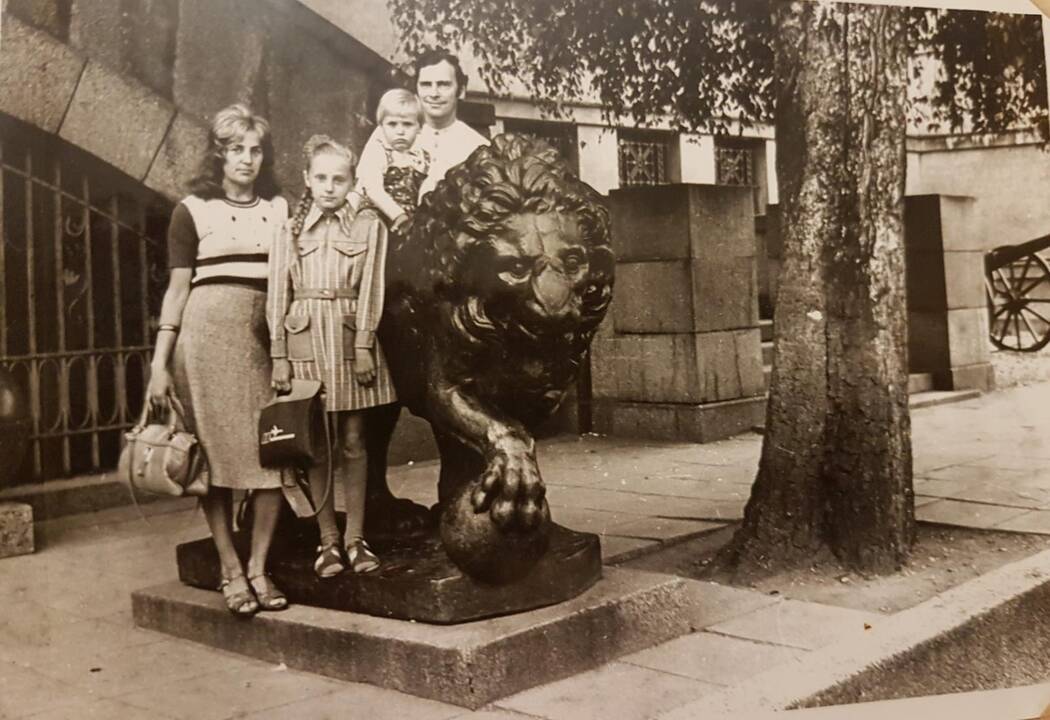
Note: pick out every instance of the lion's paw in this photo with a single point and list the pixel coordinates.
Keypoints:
(511, 487)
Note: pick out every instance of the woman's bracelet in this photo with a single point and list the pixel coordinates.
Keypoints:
(172, 328)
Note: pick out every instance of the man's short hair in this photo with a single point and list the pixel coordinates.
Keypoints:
(436, 56)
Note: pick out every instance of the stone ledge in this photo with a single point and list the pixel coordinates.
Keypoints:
(468, 665)
(116, 119)
(38, 75)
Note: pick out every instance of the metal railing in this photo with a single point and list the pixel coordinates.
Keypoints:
(80, 272)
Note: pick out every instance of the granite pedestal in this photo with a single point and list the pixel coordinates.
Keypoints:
(469, 664)
(417, 581)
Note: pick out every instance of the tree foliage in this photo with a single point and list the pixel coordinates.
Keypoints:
(701, 62)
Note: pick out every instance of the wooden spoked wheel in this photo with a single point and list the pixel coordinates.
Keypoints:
(1019, 304)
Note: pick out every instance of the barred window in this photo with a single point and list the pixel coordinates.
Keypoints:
(643, 158)
(734, 166)
(560, 136)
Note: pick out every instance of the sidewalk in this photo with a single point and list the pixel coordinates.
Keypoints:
(68, 647)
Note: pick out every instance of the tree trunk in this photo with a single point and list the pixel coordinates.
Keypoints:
(835, 469)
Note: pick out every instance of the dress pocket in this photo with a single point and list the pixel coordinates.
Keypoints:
(306, 245)
(350, 247)
(300, 346)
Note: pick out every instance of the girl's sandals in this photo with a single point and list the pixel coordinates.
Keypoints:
(240, 600)
(329, 562)
(361, 557)
(269, 596)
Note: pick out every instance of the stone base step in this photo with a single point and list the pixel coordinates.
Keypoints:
(766, 329)
(920, 382)
(468, 665)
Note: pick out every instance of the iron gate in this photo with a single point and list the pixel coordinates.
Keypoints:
(83, 266)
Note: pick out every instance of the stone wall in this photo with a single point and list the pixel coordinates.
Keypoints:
(679, 358)
(135, 81)
(1008, 175)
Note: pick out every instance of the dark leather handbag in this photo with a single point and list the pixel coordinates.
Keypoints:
(162, 458)
(292, 428)
(294, 436)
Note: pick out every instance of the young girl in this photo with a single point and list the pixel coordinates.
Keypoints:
(325, 301)
(390, 180)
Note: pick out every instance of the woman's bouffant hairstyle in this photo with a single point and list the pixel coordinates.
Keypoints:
(229, 125)
(399, 102)
(316, 145)
(438, 55)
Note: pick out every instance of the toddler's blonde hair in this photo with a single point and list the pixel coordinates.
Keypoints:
(399, 102)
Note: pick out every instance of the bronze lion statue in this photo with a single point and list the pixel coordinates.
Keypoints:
(493, 296)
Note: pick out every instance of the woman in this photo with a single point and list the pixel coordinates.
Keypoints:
(213, 318)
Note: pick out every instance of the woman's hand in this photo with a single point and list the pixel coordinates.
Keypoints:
(364, 366)
(158, 392)
(281, 376)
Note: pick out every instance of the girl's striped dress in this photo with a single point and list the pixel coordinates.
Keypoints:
(325, 298)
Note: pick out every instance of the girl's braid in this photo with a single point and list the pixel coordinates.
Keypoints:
(301, 209)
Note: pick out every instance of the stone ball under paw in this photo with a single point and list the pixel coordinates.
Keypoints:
(480, 549)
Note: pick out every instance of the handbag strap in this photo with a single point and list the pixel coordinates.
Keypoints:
(329, 480)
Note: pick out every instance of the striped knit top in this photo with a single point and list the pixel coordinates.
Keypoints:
(223, 240)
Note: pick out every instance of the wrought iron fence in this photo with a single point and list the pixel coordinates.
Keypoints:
(83, 270)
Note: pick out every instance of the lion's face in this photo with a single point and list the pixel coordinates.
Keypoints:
(534, 271)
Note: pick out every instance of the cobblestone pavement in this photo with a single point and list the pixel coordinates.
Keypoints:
(68, 648)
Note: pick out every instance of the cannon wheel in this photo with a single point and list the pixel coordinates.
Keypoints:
(1019, 304)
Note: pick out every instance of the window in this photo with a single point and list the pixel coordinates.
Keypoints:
(644, 158)
(734, 166)
(742, 161)
(560, 136)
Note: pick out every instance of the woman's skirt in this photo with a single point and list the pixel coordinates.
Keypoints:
(222, 377)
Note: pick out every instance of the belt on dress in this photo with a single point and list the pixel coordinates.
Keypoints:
(324, 293)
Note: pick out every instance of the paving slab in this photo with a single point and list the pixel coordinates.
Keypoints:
(626, 611)
(101, 710)
(976, 473)
(233, 693)
(711, 603)
(891, 644)
(966, 514)
(617, 691)
(714, 658)
(661, 528)
(618, 549)
(357, 700)
(1006, 492)
(1034, 521)
(24, 692)
(799, 624)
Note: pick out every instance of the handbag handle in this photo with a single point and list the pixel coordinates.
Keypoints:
(175, 412)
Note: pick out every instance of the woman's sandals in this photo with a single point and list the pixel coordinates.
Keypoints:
(268, 595)
(240, 600)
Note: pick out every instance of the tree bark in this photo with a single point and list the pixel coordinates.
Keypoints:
(835, 469)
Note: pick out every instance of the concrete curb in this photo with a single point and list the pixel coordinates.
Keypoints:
(886, 641)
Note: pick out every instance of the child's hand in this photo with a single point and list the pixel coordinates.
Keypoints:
(399, 223)
(281, 377)
(364, 366)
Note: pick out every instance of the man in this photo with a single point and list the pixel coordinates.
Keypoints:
(440, 84)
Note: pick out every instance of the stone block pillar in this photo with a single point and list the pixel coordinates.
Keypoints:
(947, 308)
(680, 356)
